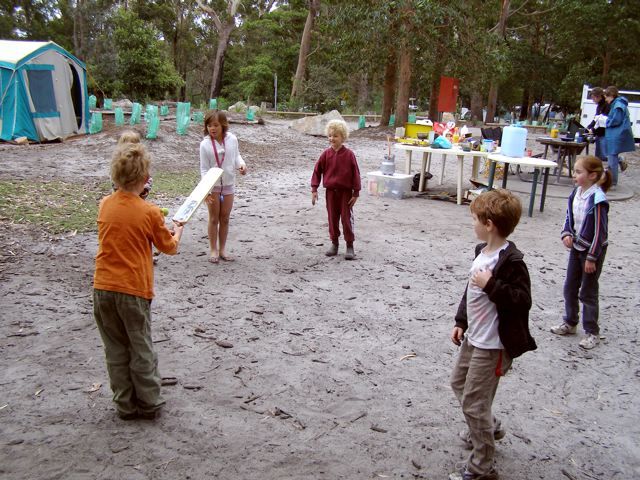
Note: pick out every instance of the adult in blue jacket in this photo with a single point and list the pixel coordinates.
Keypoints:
(618, 134)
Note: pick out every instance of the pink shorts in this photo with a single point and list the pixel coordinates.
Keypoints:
(225, 189)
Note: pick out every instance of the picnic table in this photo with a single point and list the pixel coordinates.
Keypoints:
(427, 153)
(537, 163)
(567, 152)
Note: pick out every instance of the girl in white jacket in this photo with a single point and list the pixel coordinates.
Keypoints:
(219, 148)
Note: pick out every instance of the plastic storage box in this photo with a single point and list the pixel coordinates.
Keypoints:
(389, 186)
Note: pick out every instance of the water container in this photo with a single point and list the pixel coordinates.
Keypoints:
(514, 141)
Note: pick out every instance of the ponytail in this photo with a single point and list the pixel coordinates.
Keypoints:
(605, 180)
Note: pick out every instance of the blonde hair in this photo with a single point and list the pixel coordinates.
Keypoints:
(337, 126)
(594, 165)
(129, 136)
(130, 165)
(500, 206)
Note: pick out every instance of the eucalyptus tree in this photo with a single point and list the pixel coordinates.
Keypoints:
(264, 48)
(305, 47)
(223, 15)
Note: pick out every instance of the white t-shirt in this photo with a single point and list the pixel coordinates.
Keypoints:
(482, 315)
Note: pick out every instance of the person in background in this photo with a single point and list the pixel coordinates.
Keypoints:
(596, 127)
(338, 169)
(618, 133)
(131, 136)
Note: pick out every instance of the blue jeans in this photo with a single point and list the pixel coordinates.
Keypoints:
(601, 148)
(584, 287)
(613, 161)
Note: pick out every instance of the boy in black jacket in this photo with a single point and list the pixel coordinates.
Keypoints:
(492, 325)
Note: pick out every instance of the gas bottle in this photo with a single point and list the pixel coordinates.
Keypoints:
(514, 141)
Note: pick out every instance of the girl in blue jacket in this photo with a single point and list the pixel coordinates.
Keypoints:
(585, 235)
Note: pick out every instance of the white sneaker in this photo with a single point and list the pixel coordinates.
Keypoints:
(589, 342)
(564, 329)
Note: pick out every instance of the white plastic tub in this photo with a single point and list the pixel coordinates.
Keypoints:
(389, 186)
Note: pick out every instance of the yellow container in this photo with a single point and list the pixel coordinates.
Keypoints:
(554, 133)
(412, 129)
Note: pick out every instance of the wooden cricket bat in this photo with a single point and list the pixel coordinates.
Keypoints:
(196, 197)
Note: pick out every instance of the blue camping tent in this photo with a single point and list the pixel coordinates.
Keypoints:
(43, 91)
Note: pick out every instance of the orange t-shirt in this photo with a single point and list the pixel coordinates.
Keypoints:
(128, 226)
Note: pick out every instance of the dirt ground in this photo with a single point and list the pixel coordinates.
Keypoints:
(338, 369)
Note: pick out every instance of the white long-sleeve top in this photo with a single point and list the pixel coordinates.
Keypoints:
(228, 153)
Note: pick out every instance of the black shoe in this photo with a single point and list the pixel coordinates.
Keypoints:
(149, 415)
(128, 416)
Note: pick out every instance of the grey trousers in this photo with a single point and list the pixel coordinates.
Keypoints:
(124, 322)
(474, 381)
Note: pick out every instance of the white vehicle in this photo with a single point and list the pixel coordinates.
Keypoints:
(588, 109)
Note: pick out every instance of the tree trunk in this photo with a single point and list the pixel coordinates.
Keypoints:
(389, 86)
(305, 47)
(491, 102)
(476, 106)
(363, 92)
(218, 66)
(493, 89)
(404, 86)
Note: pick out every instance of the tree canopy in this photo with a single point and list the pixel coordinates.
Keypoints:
(356, 56)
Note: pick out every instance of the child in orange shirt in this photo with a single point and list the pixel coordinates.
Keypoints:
(123, 283)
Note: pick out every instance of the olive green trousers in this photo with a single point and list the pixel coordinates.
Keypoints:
(124, 322)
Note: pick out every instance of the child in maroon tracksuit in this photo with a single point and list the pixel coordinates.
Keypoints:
(338, 168)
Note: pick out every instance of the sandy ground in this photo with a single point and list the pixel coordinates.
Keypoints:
(338, 369)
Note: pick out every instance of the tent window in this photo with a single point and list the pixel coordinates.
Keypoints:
(41, 90)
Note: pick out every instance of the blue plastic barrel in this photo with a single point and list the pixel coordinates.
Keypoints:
(514, 141)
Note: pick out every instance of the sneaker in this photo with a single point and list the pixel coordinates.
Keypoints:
(590, 341)
(498, 434)
(350, 255)
(564, 329)
(333, 250)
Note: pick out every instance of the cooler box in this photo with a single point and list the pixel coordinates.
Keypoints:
(411, 130)
(389, 186)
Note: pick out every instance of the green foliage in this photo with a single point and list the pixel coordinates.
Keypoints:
(143, 70)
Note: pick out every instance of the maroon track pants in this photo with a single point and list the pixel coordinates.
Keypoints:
(338, 209)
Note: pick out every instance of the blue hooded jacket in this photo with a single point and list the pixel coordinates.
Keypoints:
(593, 236)
(618, 133)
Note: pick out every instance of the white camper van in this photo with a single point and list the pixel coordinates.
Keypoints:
(588, 109)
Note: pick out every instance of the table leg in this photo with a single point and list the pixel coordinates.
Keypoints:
(559, 162)
(444, 160)
(492, 174)
(536, 172)
(543, 195)
(546, 149)
(475, 166)
(460, 168)
(423, 176)
(505, 174)
(407, 163)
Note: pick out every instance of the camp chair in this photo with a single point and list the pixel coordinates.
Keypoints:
(492, 133)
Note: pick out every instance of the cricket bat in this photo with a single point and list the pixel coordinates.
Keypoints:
(198, 194)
